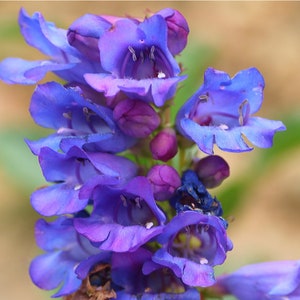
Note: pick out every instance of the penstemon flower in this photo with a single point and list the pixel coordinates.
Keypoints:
(132, 217)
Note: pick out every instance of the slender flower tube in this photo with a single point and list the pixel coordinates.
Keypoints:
(220, 113)
(269, 280)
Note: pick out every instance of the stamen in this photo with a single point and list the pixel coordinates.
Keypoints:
(132, 51)
(149, 225)
(203, 261)
(142, 56)
(161, 75)
(67, 115)
(203, 98)
(241, 117)
(138, 202)
(77, 187)
(124, 200)
(151, 54)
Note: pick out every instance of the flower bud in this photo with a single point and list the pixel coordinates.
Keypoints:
(164, 180)
(136, 118)
(212, 170)
(164, 145)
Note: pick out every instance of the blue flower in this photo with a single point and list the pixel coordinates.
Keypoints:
(77, 118)
(220, 113)
(64, 250)
(269, 280)
(192, 244)
(139, 64)
(64, 60)
(124, 218)
(75, 174)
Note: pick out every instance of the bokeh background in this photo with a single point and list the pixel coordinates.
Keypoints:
(262, 196)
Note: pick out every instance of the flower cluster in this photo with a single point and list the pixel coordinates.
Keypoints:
(130, 219)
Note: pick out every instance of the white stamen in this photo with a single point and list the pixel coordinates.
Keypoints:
(223, 126)
(132, 51)
(161, 75)
(241, 118)
(203, 261)
(67, 115)
(77, 187)
(124, 200)
(151, 55)
(149, 225)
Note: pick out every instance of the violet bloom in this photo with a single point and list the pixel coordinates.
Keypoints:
(140, 63)
(75, 174)
(220, 113)
(269, 280)
(193, 243)
(64, 250)
(78, 121)
(124, 218)
(164, 180)
(64, 60)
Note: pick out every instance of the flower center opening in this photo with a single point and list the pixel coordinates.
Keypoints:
(189, 243)
(145, 63)
(206, 113)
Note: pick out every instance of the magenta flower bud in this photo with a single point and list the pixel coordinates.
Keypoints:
(164, 145)
(212, 170)
(164, 180)
(136, 118)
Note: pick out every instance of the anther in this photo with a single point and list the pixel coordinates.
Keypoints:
(67, 115)
(124, 200)
(241, 118)
(138, 202)
(203, 98)
(132, 51)
(149, 225)
(151, 54)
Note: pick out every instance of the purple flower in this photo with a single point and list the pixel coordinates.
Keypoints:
(65, 60)
(78, 121)
(164, 145)
(164, 180)
(193, 243)
(75, 174)
(269, 280)
(212, 170)
(220, 113)
(124, 218)
(139, 64)
(64, 250)
(136, 118)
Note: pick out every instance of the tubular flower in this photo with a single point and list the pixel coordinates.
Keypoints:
(220, 113)
(78, 121)
(65, 60)
(193, 243)
(64, 248)
(139, 64)
(74, 175)
(269, 280)
(123, 218)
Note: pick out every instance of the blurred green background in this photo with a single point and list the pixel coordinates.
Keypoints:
(262, 196)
